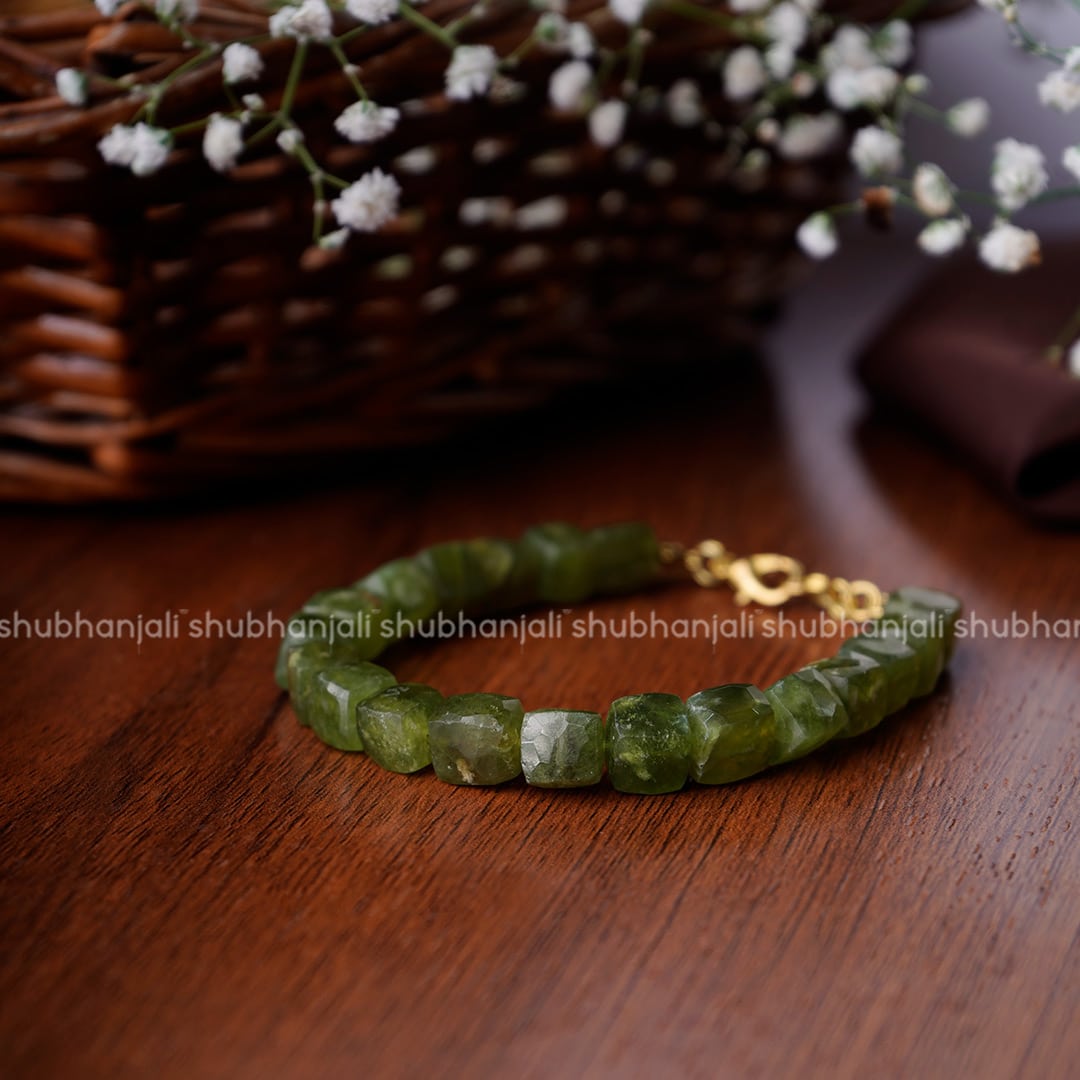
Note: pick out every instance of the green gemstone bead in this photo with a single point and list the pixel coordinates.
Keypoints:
(733, 733)
(329, 708)
(356, 617)
(468, 573)
(808, 713)
(405, 587)
(562, 748)
(305, 664)
(475, 739)
(917, 630)
(899, 661)
(393, 726)
(299, 630)
(945, 608)
(624, 557)
(562, 554)
(648, 744)
(862, 686)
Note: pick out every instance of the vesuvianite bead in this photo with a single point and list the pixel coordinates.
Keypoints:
(808, 713)
(330, 705)
(563, 561)
(862, 686)
(917, 630)
(468, 573)
(898, 660)
(624, 557)
(475, 739)
(300, 629)
(305, 663)
(356, 622)
(648, 744)
(405, 588)
(393, 726)
(733, 733)
(562, 748)
(945, 608)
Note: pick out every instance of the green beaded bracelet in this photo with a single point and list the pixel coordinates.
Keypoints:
(649, 743)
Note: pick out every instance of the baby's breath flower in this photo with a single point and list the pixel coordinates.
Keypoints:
(768, 131)
(108, 8)
(569, 85)
(780, 61)
(240, 63)
(628, 11)
(850, 47)
(364, 121)
(140, 147)
(875, 151)
(806, 135)
(223, 142)
(684, 103)
(310, 20)
(579, 41)
(969, 117)
(1071, 160)
(71, 85)
(893, 42)
(334, 241)
(817, 236)
(372, 12)
(552, 28)
(873, 87)
(1009, 249)
(607, 122)
(747, 7)
(254, 102)
(1074, 360)
(932, 191)
(803, 84)
(744, 73)
(472, 67)
(942, 237)
(917, 84)
(1018, 173)
(289, 139)
(786, 24)
(1061, 90)
(368, 204)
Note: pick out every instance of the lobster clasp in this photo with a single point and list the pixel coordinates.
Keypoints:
(767, 579)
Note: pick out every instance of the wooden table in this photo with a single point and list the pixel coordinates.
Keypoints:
(193, 885)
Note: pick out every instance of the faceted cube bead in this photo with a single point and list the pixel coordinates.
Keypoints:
(356, 621)
(562, 748)
(475, 739)
(861, 685)
(648, 744)
(405, 588)
(916, 629)
(945, 608)
(305, 664)
(624, 557)
(467, 573)
(329, 709)
(393, 726)
(563, 560)
(299, 630)
(808, 713)
(733, 733)
(899, 661)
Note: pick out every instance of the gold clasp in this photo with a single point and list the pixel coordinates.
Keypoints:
(771, 580)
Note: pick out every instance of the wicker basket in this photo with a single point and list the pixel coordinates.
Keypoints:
(163, 333)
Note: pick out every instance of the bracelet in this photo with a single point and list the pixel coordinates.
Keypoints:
(651, 743)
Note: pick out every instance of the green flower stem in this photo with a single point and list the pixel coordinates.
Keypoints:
(347, 69)
(432, 29)
(150, 106)
(292, 83)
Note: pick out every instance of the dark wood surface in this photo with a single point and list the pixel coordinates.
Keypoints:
(193, 885)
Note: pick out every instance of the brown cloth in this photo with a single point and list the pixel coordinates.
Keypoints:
(967, 355)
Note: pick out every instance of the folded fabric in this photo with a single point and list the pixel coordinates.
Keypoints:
(967, 356)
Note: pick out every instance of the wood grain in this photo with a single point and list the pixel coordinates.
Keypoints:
(194, 886)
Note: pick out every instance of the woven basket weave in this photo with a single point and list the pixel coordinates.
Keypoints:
(160, 334)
